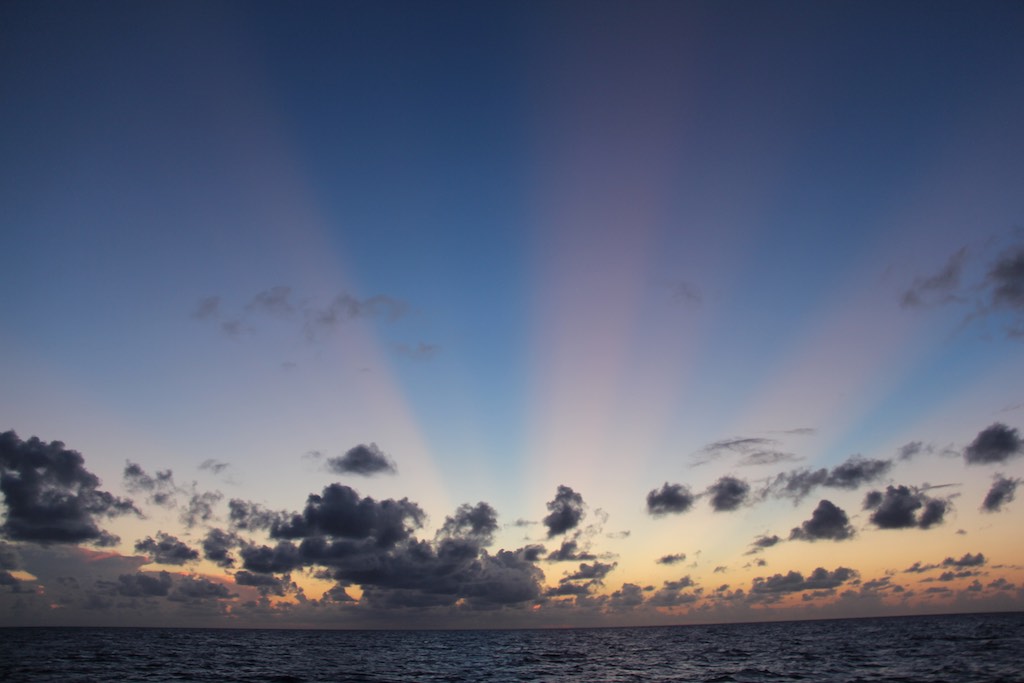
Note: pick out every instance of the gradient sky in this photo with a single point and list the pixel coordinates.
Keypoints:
(372, 314)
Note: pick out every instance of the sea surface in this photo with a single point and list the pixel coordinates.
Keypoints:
(961, 648)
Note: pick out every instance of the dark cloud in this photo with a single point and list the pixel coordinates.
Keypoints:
(569, 551)
(728, 493)
(281, 559)
(160, 489)
(995, 443)
(854, 472)
(909, 450)
(8, 560)
(671, 593)
(670, 499)
(200, 507)
(672, 559)
(939, 288)
(214, 466)
(340, 512)
(968, 560)
(761, 542)
(247, 516)
(1002, 492)
(50, 496)
(166, 549)
(566, 511)
(901, 507)
(143, 585)
(628, 597)
(419, 574)
(478, 522)
(1006, 277)
(827, 522)
(362, 459)
(588, 572)
(738, 445)
(265, 583)
(794, 582)
(217, 547)
(1001, 289)
(198, 589)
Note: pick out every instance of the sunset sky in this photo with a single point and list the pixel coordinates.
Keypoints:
(445, 314)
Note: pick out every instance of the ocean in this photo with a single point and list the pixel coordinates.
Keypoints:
(960, 649)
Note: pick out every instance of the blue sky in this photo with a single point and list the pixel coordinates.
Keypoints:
(515, 246)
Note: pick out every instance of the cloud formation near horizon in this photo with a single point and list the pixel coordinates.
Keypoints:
(51, 497)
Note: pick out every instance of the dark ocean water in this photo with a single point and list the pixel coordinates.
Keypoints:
(948, 648)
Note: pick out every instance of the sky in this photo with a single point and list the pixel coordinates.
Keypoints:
(509, 314)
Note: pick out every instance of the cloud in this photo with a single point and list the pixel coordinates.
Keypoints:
(968, 560)
(346, 307)
(909, 450)
(851, 474)
(50, 496)
(246, 516)
(569, 551)
(566, 511)
(995, 443)
(767, 458)
(8, 560)
(1002, 492)
(898, 508)
(628, 597)
(827, 522)
(265, 583)
(478, 523)
(217, 546)
(166, 549)
(278, 302)
(728, 493)
(196, 589)
(1000, 290)
(588, 572)
(939, 288)
(672, 559)
(214, 466)
(670, 499)
(794, 582)
(274, 301)
(160, 489)
(282, 558)
(363, 460)
(200, 507)
(340, 512)
(144, 585)
(1006, 278)
(738, 445)
(755, 451)
(761, 542)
